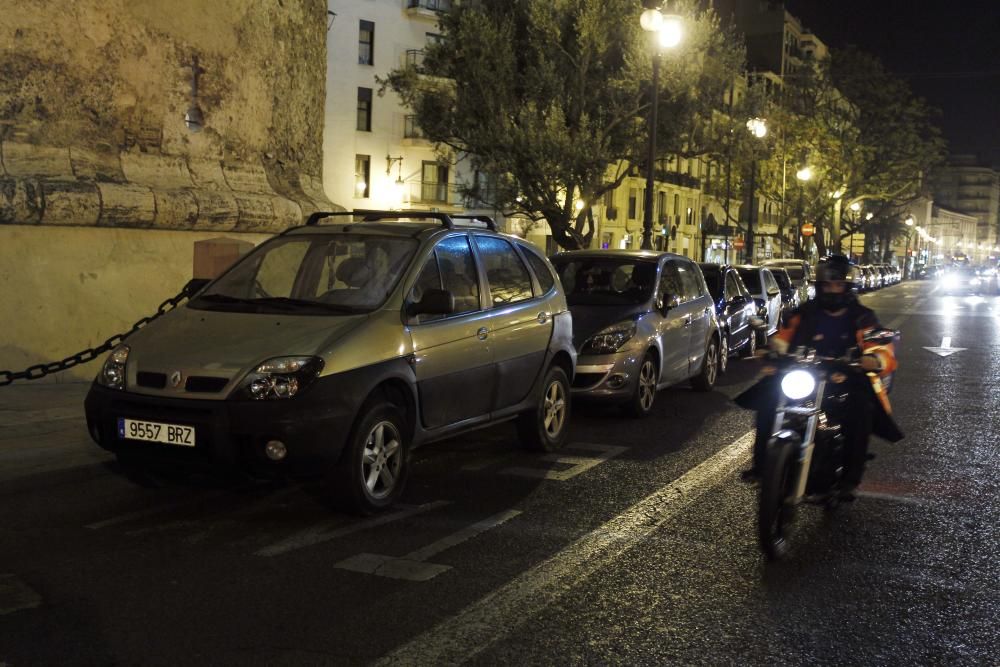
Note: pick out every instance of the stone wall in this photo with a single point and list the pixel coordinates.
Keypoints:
(104, 188)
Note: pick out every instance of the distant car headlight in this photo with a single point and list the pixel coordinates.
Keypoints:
(949, 280)
(798, 384)
(975, 282)
(112, 374)
(610, 339)
(280, 378)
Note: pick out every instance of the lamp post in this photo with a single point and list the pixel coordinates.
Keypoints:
(758, 128)
(668, 31)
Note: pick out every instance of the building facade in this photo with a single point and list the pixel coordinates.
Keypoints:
(966, 185)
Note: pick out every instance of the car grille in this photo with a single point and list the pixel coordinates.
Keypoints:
(205, 384)
(151, 380)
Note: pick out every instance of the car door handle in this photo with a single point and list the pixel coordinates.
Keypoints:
(483, 333)
(543, 318)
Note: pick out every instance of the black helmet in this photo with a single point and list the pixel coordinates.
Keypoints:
(834, 267)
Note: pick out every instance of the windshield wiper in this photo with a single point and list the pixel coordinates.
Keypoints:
(221, 298)
(304, 303)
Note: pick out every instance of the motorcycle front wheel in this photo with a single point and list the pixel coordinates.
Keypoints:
(777, 490)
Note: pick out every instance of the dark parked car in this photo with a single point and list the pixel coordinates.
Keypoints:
(735, 307)
(764, 289)
(789, 295)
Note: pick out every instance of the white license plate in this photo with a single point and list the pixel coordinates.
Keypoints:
(170, 434)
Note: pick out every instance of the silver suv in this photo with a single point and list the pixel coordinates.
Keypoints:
(341, 347)
(642, 321)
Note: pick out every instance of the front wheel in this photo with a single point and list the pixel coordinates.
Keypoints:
(546, 426)
(724, 353)
(640, 404)
(776, 494)
(373, 468)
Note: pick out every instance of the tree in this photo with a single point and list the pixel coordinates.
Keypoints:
(549, 97)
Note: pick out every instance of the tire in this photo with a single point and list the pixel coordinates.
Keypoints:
(705, 379)
(641, 402)
(750, 347)
(373, 468)
(776, 485)
(546, 426)
(723, 352)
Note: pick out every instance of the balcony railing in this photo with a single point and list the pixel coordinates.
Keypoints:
(434, 194)
(432, 5)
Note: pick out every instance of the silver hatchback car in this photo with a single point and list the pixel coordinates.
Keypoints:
(340, 347)
(642, 321)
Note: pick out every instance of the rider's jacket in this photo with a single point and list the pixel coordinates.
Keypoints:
(802, 328)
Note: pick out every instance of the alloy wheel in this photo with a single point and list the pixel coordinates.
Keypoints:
(382, 459)
(554, 408)
(711, 363)
(724, 353)
(647, 385)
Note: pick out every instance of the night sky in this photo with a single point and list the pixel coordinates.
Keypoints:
(948, 51)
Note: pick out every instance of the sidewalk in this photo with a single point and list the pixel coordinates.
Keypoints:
(43, 429)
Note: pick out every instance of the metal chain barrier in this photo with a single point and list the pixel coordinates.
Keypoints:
(41, 370)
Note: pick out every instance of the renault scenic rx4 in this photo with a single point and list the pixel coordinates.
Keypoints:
(340, 347)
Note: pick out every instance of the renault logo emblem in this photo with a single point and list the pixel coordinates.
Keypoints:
(175, 379)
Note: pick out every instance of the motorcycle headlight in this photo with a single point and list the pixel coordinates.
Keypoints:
(610, 339)
(798, 384)
(280, 378)
(112, 374)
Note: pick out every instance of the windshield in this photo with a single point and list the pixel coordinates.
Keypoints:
(752, 280)
(314, 274)
(606, 281)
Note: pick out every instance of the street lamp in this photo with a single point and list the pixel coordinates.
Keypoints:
(804, 175)
(669, 31)
(758, 128)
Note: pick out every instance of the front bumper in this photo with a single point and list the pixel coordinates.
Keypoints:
(606, 376)
(231, 434)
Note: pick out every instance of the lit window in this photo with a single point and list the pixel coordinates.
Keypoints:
(362, 176)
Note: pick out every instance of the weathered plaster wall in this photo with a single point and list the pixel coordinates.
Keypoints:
(104, 190)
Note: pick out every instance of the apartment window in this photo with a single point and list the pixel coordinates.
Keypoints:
(362, 176)
(366, 43)
(633, 198)
(661, 204)
(434, 182)
(677, 204)
(365, 109)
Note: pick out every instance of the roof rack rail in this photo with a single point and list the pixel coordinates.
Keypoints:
(375, 216)
(487, 220)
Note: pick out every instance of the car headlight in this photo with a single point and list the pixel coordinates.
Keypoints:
(610, 339)
(279, 378)
(974, 282)
(112, 374)
(798, 384)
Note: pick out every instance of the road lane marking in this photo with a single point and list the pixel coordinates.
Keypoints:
(413, 566)
(580, 464)
(946, 350)
(16, 595)
(149, 511)
(326, 531)
(482, 623)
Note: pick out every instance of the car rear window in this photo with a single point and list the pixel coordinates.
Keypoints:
(752, 280)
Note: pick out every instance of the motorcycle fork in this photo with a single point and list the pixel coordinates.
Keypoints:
(808, 442)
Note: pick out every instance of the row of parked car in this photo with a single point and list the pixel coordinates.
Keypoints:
(341, 347)
(876, 276)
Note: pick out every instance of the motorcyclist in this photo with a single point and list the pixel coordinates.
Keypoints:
(831, 324)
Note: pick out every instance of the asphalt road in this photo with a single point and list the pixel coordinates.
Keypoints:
(636, 545)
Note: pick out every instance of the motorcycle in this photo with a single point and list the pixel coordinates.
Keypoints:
(807, 453)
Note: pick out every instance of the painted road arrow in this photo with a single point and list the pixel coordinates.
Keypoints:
(946, 350)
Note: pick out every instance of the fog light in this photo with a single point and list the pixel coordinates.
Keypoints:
(275, 450)
(617, 380)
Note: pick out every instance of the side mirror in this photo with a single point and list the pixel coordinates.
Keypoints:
(757, 323)
(666, 302)
(434, 302)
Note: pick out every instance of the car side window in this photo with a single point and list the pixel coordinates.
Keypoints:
(509, 279)
(732, 287)
(690, 284)
(429, 278)
(670, 282)
(541, 268)
(458, 272)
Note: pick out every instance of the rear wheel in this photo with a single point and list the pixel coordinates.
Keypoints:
(723, 352)
(373, 468)
(776, 492)
(750, 347)
(705, 379)
(641, 402)
(546, 426)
